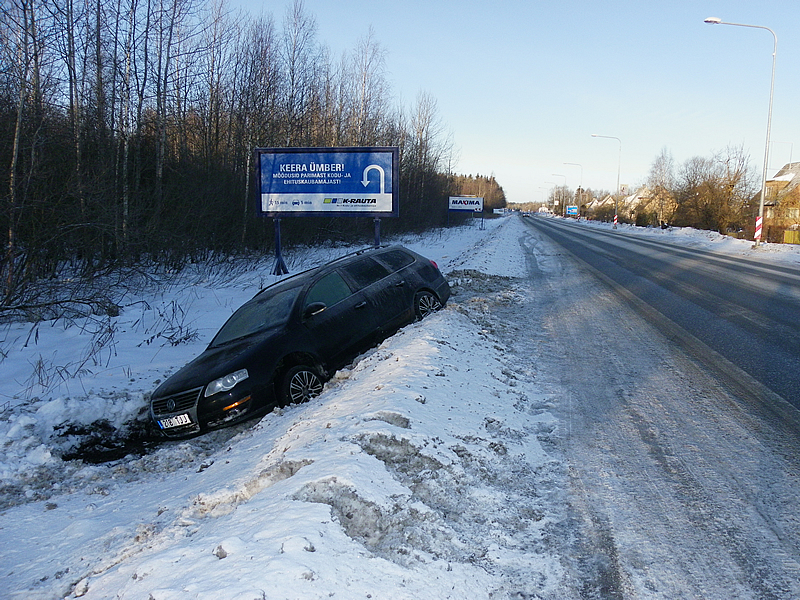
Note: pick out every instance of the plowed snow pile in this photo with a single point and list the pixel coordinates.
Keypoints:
(420, 472)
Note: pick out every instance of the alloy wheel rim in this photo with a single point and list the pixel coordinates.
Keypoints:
(428, 304)
(304, 386)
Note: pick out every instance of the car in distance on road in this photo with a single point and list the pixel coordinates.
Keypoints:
(279, 347)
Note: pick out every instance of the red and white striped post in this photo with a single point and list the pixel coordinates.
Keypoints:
(759, 223)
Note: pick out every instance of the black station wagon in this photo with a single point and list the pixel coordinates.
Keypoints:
(280, 346)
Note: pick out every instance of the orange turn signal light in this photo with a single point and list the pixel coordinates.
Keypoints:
(239, 403)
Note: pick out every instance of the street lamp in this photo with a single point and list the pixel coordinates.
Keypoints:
(760, 221)
(564, 207)
(580, 187)
(555, 185)
(619, 165)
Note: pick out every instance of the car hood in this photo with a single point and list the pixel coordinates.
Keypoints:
(213, 363)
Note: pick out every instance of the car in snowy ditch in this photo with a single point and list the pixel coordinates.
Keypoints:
(279, 347)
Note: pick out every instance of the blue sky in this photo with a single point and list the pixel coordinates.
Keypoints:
(522, 85)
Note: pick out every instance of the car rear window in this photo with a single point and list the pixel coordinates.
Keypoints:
(262, 312)
(365, 272)
(396, 259)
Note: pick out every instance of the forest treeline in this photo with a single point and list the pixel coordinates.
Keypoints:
(127, 130)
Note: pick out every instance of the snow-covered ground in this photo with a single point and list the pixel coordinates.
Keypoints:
(424, 470)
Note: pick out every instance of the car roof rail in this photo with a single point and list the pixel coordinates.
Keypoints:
(359, 252)
(332, 262)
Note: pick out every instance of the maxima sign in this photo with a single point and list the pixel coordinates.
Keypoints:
(351, 182)
(470, 203)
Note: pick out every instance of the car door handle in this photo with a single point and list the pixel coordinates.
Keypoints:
(400, 283)
(361, 304)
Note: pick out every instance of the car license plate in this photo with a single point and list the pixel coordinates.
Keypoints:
(174, 421)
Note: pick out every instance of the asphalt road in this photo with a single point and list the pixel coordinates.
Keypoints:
(681, 470)
(742, 316)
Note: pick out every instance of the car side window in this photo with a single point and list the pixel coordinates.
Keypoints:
(365, 272)
(329, 290)
(396, 259)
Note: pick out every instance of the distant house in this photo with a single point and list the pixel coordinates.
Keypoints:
(782, 204)
(598, 203)
(639, 207)
(600, 208)
(626, 206)
(642, 207)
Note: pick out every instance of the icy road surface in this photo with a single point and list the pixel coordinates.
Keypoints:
(535, 439)
(675, 491)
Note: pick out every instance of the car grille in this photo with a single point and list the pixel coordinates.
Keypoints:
(179, 402)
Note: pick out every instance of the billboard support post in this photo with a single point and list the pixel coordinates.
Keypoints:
(280, 266)
(377, 232)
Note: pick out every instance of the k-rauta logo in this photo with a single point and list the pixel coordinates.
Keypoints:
(359, 201)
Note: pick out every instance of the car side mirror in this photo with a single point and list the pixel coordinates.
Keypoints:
(313, 309)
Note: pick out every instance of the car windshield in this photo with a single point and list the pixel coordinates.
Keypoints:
(262, 312)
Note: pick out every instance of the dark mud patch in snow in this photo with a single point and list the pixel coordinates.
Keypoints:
(101, 442)
(73, 456)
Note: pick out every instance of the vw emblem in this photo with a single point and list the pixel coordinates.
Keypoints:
(170, 405)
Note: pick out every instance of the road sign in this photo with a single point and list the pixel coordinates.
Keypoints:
(468, 203)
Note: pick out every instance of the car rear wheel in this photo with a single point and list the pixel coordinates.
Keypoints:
(426, 303)
(300, 384)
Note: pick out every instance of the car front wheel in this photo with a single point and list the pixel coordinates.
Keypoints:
(300, 384)
(426, 303)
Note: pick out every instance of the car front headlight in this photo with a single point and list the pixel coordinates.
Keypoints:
(223, 384)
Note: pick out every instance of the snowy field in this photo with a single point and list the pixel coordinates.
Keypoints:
(423, 470)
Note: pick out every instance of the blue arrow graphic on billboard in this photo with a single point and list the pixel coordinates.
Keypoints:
(365, 181)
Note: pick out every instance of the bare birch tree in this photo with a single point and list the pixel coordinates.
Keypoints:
(371, 90)
(298, 52)
(22, 49)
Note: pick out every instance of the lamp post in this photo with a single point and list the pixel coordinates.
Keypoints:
(619, 166)
(564, 202)
(760, 220)
(555, 185)
(580, 187)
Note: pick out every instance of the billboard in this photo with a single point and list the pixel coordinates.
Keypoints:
(348, 182)
(470, 203)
